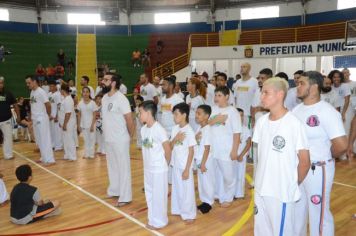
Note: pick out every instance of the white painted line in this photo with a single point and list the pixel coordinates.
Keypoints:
(90, 195)
(337, 183)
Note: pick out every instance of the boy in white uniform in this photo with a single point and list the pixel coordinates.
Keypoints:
(4, 196)
(156, 152)
(182, 144)
(40, 113)
(225, 125)
(138, 101)
(283, 162)
(67, 121)
(54, 98)
(118, 128)
(244, 149)
(203, 158)
(327, 140)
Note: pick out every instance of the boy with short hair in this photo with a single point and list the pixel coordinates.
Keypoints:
(244, 149)
(26, 204)
(156, 152)
(202, 155)
(225, 128)
(182, 144)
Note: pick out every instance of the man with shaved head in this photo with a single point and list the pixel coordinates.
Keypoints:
(244, 91)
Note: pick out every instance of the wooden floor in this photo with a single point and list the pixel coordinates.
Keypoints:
(83, 208)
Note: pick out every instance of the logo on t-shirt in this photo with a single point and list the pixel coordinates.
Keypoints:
(278, 143)
(146, 143)
(2, 99)
(51, 99)
(315, 199)
(110, 106)
(166, 107)
(313, 121)
(143, 92)
(33, 99)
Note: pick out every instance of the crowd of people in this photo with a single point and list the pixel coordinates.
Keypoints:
(292, 134)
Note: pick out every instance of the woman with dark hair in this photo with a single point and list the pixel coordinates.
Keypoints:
(342, 91)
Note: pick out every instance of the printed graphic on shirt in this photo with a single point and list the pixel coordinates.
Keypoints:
(51, 99)
(217, 123)
(2, 98)
(143, 92)
(313, 121)
(166, 107)
(278, 143)
(110, 105)
(315, 199)
(33, 99)
(255, 209)
(147, 143)
(243, 88)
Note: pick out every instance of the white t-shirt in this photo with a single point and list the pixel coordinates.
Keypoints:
(86, 112)
(181, 95)
(114, 124)
(210, 94)
(45, 88)
(92, 94)
(158, 92)
(330, 98)
(38, 98)
(66, 106)
(244, 136)
(194, 103)
(352, 86)
(222, 134)
(165, 109)
(123, 89)
(291, 100)
(154, 159)
(277, 167)
(322, 123)
(98, 90)
(244, 91)
(205, 140)
(257, 103)
(55, 100)
(148, 91)
(342, 91)
(180, 151)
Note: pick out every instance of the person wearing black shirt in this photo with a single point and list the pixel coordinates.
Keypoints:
(6, 101)
(26, 203)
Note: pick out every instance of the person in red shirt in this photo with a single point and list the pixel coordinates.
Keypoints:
(40, 72)
(50, 71)
(59, 71)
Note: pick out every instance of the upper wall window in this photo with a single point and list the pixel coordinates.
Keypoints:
(4, 14)
(259, 12)
(84, 19)
(172, 18)
(344, 4)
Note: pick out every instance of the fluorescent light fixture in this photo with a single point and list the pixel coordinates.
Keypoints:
(172, 18)
(84, 19)
(4, 14)
(259, 12)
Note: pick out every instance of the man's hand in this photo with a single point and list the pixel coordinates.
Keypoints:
(179, 137)
(233, 155)
(203, 168)
(185, 174)
(240, 158)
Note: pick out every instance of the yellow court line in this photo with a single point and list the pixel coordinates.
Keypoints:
(245, 217)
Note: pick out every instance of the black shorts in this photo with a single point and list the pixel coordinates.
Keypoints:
(42, 211)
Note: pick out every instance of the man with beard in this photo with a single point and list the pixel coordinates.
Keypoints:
(327, 140)
(327, 94)
(7, 100)
(292, 100)
(40, 114)
(118, 127)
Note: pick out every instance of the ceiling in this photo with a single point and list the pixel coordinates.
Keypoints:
(139, 5)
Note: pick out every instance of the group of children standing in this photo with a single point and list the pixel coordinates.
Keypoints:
(179, 136)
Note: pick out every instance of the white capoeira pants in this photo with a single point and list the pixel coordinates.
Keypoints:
(3, 192)
(43, 139)
(206, 182)
(70, 151)
(225, 180)
(156, 192)
(315, 202)
(240, 173)
(89, 142)
(183, 195)
(119, 170)
(56, 136)
(273, 217)
(138, 134)
(100, 142)
(6, 130)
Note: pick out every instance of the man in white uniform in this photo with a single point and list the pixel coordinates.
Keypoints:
(283, 162)
(147, 90)
(244, 91)
(54, 98)
(118, 127)
(156, 83)
(328, 94)
(327, 140)
(40, 114)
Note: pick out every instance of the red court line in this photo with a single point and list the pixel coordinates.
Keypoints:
(76, 228)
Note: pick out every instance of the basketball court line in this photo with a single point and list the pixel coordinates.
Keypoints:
(90, 195)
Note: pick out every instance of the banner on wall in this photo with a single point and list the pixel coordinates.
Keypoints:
(314, 48)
